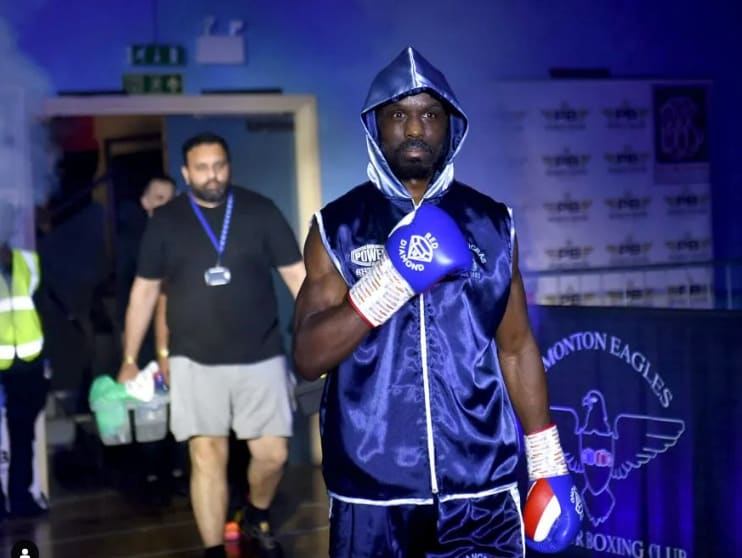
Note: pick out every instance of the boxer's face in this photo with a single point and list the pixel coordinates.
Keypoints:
(413, 132)
(207, 172)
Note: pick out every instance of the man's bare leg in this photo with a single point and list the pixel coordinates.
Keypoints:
(268, 456)
(209, 486)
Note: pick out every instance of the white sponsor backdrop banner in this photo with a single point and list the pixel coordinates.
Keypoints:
(607, 174)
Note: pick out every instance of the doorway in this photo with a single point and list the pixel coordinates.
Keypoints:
(151, 129)
(301, 109)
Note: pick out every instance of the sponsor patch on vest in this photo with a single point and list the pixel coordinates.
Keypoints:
(478, 252)
(365, 257)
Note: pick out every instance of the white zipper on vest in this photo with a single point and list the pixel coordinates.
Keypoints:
(426, 389)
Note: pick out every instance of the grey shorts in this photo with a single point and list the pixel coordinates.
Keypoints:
(254, 400)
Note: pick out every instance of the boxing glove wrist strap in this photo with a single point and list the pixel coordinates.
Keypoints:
(544, 454)
(379, 293)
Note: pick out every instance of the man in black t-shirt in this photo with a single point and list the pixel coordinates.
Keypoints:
(216, 249)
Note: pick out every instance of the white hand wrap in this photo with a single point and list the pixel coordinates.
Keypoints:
(380, 293)
(544, 454)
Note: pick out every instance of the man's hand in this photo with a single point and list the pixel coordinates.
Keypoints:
(163, 363)
(128, 371)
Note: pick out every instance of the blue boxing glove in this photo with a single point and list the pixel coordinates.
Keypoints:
(424, 247)
(553, 512)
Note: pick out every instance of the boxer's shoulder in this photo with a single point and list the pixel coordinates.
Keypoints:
(357, 198)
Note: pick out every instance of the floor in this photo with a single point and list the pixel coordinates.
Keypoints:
(104, 523)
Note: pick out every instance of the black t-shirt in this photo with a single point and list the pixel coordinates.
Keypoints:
(235, 323)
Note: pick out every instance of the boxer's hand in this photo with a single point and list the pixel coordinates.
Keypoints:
(425, 246)
(553, 511)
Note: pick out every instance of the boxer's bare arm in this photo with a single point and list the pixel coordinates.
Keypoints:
(326, 328)
(520, 358)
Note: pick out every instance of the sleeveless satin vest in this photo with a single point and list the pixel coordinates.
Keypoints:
(421, 408)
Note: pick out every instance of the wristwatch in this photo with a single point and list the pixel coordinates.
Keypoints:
(163, 353)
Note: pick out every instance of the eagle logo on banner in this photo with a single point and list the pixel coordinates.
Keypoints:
(602, 451)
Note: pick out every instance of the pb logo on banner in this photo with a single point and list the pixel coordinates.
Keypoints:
(625, 441)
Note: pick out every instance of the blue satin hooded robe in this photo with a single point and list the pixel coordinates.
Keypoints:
(420, 409)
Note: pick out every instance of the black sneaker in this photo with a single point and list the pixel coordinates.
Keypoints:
(261, 535)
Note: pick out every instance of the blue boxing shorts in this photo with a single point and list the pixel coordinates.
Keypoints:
(485, 527)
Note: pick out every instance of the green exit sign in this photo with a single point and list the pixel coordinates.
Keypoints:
(156, 55)
(153, 84)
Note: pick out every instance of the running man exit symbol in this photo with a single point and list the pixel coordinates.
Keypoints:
(153, 84)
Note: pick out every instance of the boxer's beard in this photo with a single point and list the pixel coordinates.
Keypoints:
(406, 167)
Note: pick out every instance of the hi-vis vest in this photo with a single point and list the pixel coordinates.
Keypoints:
(20, 325)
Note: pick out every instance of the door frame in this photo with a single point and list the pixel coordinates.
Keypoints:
(303, 108)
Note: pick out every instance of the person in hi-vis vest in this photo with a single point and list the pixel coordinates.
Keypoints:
(22, 375)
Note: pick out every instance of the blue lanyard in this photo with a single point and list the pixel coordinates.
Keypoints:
(225, 225)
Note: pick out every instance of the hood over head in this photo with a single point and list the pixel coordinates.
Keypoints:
(410, 74)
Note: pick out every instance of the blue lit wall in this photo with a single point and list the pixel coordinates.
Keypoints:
(332, 48)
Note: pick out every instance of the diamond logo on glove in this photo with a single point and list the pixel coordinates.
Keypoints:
(418, 249)
(421, 248)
